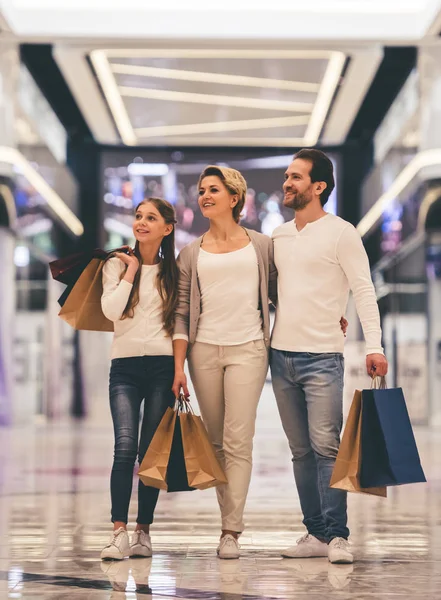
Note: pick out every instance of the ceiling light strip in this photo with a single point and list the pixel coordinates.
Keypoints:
(278, 142)
(429, 199)
(10, 205)
(220, 126)
(217, 78)
(194, 98)
(113, 97)
(324, 98)
(15, 158)
(426, 158)
(207, 53)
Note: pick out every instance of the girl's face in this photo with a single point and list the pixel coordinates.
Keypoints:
(215, 200)
(149, 225)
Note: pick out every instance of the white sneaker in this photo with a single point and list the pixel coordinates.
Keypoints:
(228, 547)
(140, 545)
(307, 546)
(118, 547)
(140, 568)
(338, 552)
(308, 569)
(339, 575)
(117, 572)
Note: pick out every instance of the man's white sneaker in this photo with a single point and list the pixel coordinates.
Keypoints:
(118, 547)
(140, 545)
(228, 547)
(307, 546)
(338, 552)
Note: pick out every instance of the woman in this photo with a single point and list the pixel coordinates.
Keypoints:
(139, 296)
(226, 278)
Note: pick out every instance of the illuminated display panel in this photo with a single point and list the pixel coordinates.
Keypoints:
(127, 178)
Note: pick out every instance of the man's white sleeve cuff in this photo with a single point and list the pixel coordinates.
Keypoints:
(374, 351)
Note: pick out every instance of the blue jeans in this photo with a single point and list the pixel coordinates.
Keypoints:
(133, 380)
(309, 393)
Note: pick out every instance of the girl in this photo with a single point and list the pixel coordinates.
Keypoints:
(226, 277)
(139, 296)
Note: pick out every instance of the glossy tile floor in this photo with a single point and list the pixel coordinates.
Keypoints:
(54, 520)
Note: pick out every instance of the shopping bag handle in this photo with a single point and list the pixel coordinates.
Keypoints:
(378, 383)
(182, 405)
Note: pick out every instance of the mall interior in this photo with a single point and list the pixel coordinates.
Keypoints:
(108, 101)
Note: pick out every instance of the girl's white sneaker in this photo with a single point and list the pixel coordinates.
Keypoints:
(118, 547)
(140, 545)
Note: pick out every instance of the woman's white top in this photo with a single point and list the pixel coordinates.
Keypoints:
(144, 334)
(229, 285)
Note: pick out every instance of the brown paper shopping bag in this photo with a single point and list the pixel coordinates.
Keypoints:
(177, 480)
(203, 468)
(346, 474)
(82, 308)
(153, 468)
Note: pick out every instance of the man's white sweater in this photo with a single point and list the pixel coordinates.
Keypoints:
(317, 267)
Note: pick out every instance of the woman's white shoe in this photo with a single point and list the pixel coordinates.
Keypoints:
(228, 547)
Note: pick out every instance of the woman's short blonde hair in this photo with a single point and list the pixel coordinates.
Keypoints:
(233, 180)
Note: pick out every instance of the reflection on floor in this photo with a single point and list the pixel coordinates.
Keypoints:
(54, 520)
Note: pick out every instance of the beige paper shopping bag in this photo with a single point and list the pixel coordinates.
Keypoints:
(346, 474)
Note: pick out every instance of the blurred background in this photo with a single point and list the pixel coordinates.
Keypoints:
(104, 102)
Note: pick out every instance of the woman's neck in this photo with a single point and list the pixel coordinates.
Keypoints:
(149, 254)
(223, 230)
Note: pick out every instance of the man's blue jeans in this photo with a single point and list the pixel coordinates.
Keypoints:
(133, 380)
(309, 393)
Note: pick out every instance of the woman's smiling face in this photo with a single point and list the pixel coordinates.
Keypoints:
(215, 200)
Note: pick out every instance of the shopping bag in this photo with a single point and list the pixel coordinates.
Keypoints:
(62, 299)
(153, 468)
(68, 269)
(389, 452)
(203, 468)
(346, 473)
(177, 480)
(163, 465)
(82, 307)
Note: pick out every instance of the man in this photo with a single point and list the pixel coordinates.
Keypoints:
(319, 258)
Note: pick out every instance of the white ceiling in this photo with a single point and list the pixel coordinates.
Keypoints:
(231, 19)
(236, 73)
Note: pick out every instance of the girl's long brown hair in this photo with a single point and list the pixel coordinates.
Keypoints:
(168, 275)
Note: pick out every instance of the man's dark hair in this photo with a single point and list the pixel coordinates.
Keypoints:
(321, 170)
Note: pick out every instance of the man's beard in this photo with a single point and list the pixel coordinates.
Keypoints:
(299, 201)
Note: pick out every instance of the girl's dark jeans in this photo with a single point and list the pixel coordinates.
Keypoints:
(133, 380)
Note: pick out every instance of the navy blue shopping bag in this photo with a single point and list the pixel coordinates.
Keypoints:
(389, 455)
